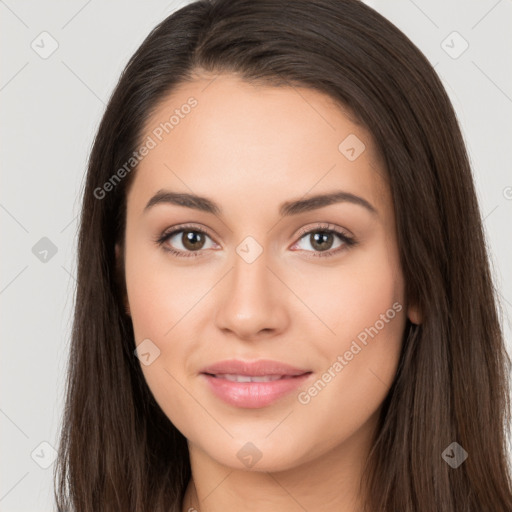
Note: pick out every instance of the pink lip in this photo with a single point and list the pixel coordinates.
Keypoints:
(254, 368)
(253, 395)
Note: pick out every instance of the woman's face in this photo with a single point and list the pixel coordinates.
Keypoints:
(267, 280)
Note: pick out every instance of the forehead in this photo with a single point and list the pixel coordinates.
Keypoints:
(221, 133)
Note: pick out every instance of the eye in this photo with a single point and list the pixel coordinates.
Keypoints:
(191, 239)
(322, 238)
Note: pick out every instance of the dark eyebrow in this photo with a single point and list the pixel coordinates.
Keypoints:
(182, 199)
(321, 200)
(286, 209)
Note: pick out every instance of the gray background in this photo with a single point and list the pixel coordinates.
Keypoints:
(50, 110)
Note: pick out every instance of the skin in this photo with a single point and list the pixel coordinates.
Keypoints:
(250, 149)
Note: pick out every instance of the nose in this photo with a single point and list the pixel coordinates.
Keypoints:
(253, 300)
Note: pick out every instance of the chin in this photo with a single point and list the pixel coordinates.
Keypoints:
(258, 456)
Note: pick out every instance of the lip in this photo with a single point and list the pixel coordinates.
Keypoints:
(254, 368)
(253, 395)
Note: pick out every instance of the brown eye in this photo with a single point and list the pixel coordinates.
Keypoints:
(184, 241)
(321, 240)
(192, 240)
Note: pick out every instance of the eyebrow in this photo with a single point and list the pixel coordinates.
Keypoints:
(286, 209)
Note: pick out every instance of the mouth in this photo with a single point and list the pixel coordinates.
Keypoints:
(253, 385)
(253, 378)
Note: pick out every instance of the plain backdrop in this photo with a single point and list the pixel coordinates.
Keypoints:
(59, 64)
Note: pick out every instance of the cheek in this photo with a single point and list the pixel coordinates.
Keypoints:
(364, 308)
(163, 301)
(360, 371)
(353, 296)
(160, 295)
(362, 303)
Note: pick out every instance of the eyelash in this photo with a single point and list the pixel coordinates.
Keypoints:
(348, 241)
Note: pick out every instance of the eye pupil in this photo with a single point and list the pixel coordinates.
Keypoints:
(190, 239)
(319, 239)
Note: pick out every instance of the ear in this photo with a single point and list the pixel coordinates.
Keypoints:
(121, 277)
(414, 315)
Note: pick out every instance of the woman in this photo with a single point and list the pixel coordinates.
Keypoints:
(284, 300)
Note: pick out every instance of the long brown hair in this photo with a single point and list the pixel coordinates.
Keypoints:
(118, 450)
